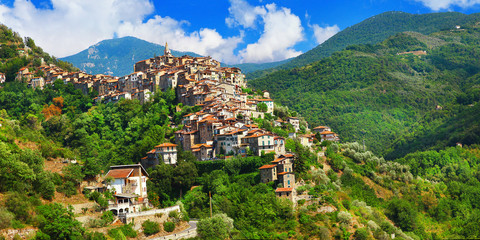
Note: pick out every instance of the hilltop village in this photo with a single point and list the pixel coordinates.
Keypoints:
(225, 125)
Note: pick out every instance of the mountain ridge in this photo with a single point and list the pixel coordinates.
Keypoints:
(371, 92)
(373, 30)
(104, 57)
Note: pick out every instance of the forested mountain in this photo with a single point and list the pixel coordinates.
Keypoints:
(117, 56)
(374, 30)
(398, 103)
(251, 67)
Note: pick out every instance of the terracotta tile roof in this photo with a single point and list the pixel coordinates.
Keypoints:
(282, 173)
(326, 132)
(288, 155)
(267, 166)
(277, 160)
(166, 145)
(201, 145)
(120, 173)
(284, 190)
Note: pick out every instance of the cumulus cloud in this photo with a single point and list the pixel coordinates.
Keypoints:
(70, 26)
(437, 5)
(282, 31)
(204, 42)
(244, 14)
(323, 34)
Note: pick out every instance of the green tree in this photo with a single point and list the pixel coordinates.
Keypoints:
(59, 222)
(217, 227)
(262, 107)
(403, 214)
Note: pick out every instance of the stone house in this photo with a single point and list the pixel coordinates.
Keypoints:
(295, 123)
(288, 193)
(268, 173)
(203, 151)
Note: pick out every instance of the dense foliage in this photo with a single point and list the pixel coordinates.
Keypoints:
(397, 103)
(374, 30)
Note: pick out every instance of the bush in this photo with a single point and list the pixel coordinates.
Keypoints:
(344, 217)
(6, 218)
(168, 226)
(150, 228)
(361, 234)
(128, 230)
(108, 217)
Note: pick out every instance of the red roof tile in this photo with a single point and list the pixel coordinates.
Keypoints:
(267, 166)
(120, 173)
(166, 145)
(284, 190)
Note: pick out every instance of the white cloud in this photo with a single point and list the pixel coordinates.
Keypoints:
(205, 41)
(282, 31)
(323, 34)
(437, 5)
(70, 26)
(244, 14)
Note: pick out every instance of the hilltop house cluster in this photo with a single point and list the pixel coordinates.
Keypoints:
(158, 73)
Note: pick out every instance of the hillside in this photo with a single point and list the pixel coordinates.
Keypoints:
(117, 56)
(16, 53)
(343, 190)
(370, 92)
(374, 30)
(252, 67)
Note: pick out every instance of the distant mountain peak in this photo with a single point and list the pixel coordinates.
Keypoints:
(117, 56)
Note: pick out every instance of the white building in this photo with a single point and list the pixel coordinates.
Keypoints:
(167, 152)
(129, 187)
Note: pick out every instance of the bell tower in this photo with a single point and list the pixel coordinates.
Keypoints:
(167, 52)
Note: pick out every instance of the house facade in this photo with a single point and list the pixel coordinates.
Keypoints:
(129, 186)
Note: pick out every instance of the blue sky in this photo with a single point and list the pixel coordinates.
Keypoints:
(232, 31)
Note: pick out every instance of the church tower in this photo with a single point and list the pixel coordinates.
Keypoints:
(167, 50)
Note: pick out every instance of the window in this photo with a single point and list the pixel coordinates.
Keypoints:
(288, 183)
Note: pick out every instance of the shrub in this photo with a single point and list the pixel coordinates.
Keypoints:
(6, 218)
(108, 217)
(324, 233)
(344, 217)
(168, 226)
(96, 223)
(150, 228)
(361, 234)
(346, 203)
(116, 233)
(372, 225)
(128, 230)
